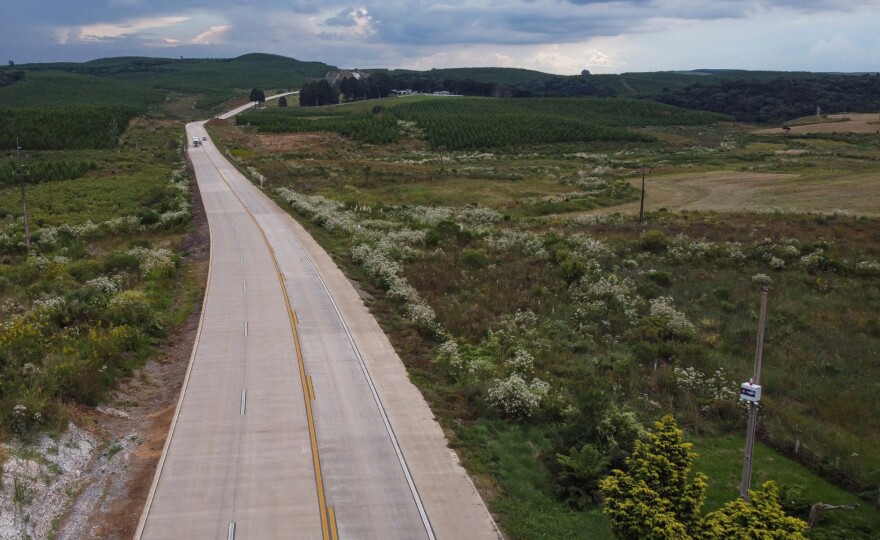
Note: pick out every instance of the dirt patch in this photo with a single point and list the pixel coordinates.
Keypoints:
(312, 141)
(133, 427)
(849, 123)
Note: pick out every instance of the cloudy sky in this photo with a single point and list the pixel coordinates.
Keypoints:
(557, 36)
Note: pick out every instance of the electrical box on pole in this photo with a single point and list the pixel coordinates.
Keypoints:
(750, 392)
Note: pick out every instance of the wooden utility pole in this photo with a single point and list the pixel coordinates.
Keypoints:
(642, 203)
(21, 174)
(753, 404)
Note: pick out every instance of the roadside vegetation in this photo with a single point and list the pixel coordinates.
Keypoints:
(95, 294)
(548, 338)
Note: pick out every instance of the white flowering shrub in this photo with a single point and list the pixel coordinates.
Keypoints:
(427, 215)
(475, 216)
(48, 306)
(776, 263)
(422, 315)
(449, 355)
(154, 262)
(130, 307)
(814, 260)
(514, 398)
(520, 328)
(734, 252)
(104, 284)
(590, 248)
(388, 273)
(600, 300)
(718, 386)
(521, 362)
(682, 249)
(868, 268)
(675, 322)
(761, 279)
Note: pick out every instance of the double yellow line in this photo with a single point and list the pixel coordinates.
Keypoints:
(328, 515)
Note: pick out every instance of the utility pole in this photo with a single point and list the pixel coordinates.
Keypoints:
(751, 392)
(114, 128)
(642, 203)
(21, 174)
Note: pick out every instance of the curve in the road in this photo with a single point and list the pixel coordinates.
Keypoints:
(328, 512)
(245, 473)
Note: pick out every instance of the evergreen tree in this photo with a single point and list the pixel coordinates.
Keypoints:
(761, 517)
(656, 498)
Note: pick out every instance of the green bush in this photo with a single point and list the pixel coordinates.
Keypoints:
(653, 241)
(474, 258)
(660, 278)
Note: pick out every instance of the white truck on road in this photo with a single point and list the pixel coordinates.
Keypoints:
(196, 142)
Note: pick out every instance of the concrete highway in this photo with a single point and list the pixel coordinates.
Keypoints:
(296, 418)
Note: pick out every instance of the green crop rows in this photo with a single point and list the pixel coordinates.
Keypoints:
(63, 128)
(375, 129)
(471, 123)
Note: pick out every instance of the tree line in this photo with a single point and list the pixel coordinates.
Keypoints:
(781, 99)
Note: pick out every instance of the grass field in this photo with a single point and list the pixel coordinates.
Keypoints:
(730, 191)
(528, 264)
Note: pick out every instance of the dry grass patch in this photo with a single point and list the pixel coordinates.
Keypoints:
(840, 123)
(743, 191)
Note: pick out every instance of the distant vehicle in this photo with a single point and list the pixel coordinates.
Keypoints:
(204, 138)
(196, 142)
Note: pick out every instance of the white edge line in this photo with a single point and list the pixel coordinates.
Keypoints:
(400, 457)
(388, 427)
(149, 502)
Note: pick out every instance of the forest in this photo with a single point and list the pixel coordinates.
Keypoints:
(781, 99)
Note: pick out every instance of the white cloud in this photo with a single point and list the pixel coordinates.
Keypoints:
(214, 35)
(104, 31)
(363, 22)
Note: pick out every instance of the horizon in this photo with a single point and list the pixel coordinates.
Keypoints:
(561, 37)
(378, 68)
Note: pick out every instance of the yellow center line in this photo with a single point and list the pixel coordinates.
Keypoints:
(305, 380)
(333, 531)
(311, 389)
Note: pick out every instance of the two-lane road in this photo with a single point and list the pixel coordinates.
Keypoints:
(296, 419)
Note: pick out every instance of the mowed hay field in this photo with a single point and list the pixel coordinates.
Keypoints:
(835, 123)
(746, 191)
